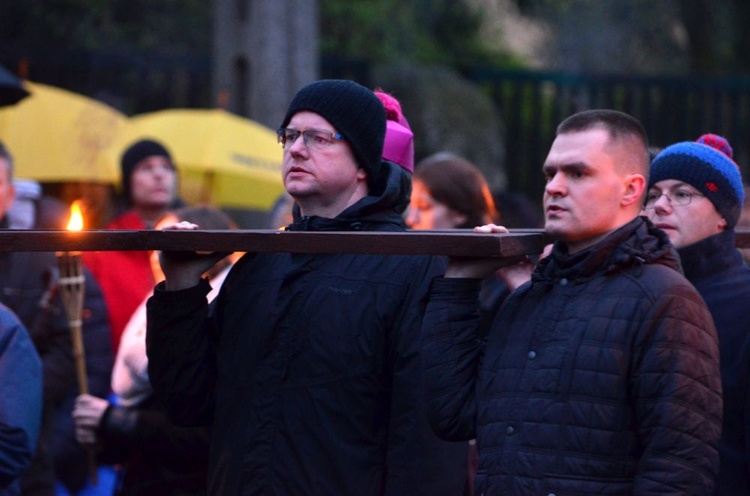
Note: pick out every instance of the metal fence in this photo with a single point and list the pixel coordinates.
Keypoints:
(530, 103)
(671, 109)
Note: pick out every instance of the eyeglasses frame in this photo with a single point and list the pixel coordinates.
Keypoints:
(307, 135)
(670, 200)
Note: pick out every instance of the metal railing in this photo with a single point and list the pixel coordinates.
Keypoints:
(530, 103)
(671, 109)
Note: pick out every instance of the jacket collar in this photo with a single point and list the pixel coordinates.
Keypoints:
(381, 210)
(710, 256)
(636, 243)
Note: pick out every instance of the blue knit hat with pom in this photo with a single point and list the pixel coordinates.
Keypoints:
(707, 165)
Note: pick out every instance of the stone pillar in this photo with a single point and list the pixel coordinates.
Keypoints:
(264, 50)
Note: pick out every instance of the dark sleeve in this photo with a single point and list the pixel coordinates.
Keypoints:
(452, 351)
(676, 387)
(418, 461)
(150, 431)
(181, 358)
(21, 398)
(50, 332)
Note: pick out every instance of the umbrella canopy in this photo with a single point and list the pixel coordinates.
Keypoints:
(11, 88)
(224, 160)
(57, 135)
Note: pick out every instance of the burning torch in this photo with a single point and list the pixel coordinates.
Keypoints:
(72, 285)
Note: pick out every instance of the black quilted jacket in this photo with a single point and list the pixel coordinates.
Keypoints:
(312, 381)
(600, 376)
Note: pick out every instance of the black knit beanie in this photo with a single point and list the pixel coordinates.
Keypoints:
(353, 110)
(133, 155)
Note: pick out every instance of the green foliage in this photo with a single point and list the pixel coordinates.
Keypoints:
(426, 31)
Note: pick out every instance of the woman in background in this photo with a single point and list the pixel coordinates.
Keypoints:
(449, 192)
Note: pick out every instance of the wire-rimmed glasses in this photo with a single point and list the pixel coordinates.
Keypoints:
(678, 198)
(314, 138)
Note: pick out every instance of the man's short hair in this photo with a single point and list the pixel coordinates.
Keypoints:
(621, 127)
(5, 153)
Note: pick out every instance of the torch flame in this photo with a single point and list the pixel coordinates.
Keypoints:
(76, 217)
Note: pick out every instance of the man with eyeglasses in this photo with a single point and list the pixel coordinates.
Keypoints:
(601, 374)
(307, 366)
(696, 196)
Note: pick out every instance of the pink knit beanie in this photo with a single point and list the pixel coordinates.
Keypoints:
(399, 140)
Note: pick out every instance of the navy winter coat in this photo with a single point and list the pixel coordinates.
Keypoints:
(600, 376)
(716, 269)
(308, 370)
(20, 401)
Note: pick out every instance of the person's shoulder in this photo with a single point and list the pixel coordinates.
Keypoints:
(127, 220)
(11, 327)
(661, 278)
(671, 275)
(8, 317)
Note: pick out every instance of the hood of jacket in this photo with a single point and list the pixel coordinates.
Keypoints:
(381, 210)
(636, 243)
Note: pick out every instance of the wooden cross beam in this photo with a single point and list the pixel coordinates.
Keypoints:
(455, 243)
(452, 243)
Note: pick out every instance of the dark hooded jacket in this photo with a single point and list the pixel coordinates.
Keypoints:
(308, 367)
(600, 376)
(716, 269)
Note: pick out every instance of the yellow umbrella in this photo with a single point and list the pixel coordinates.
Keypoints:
(223, 159)
(57, 135)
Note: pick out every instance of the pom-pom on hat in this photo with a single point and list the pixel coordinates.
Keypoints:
(399, 139)
(706, 164)
(353, 110)
(134, 154)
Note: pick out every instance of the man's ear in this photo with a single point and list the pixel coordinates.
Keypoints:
(722, 223)
(634, 189)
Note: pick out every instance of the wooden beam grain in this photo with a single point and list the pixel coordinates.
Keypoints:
(459, 243)
(456, 243)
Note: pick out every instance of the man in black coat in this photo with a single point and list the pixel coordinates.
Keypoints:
(307, 368)
(601, 374)
(695, 195)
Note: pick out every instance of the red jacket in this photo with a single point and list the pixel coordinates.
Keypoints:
(125, 277)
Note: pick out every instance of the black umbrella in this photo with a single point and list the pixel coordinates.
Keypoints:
(11, 88)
